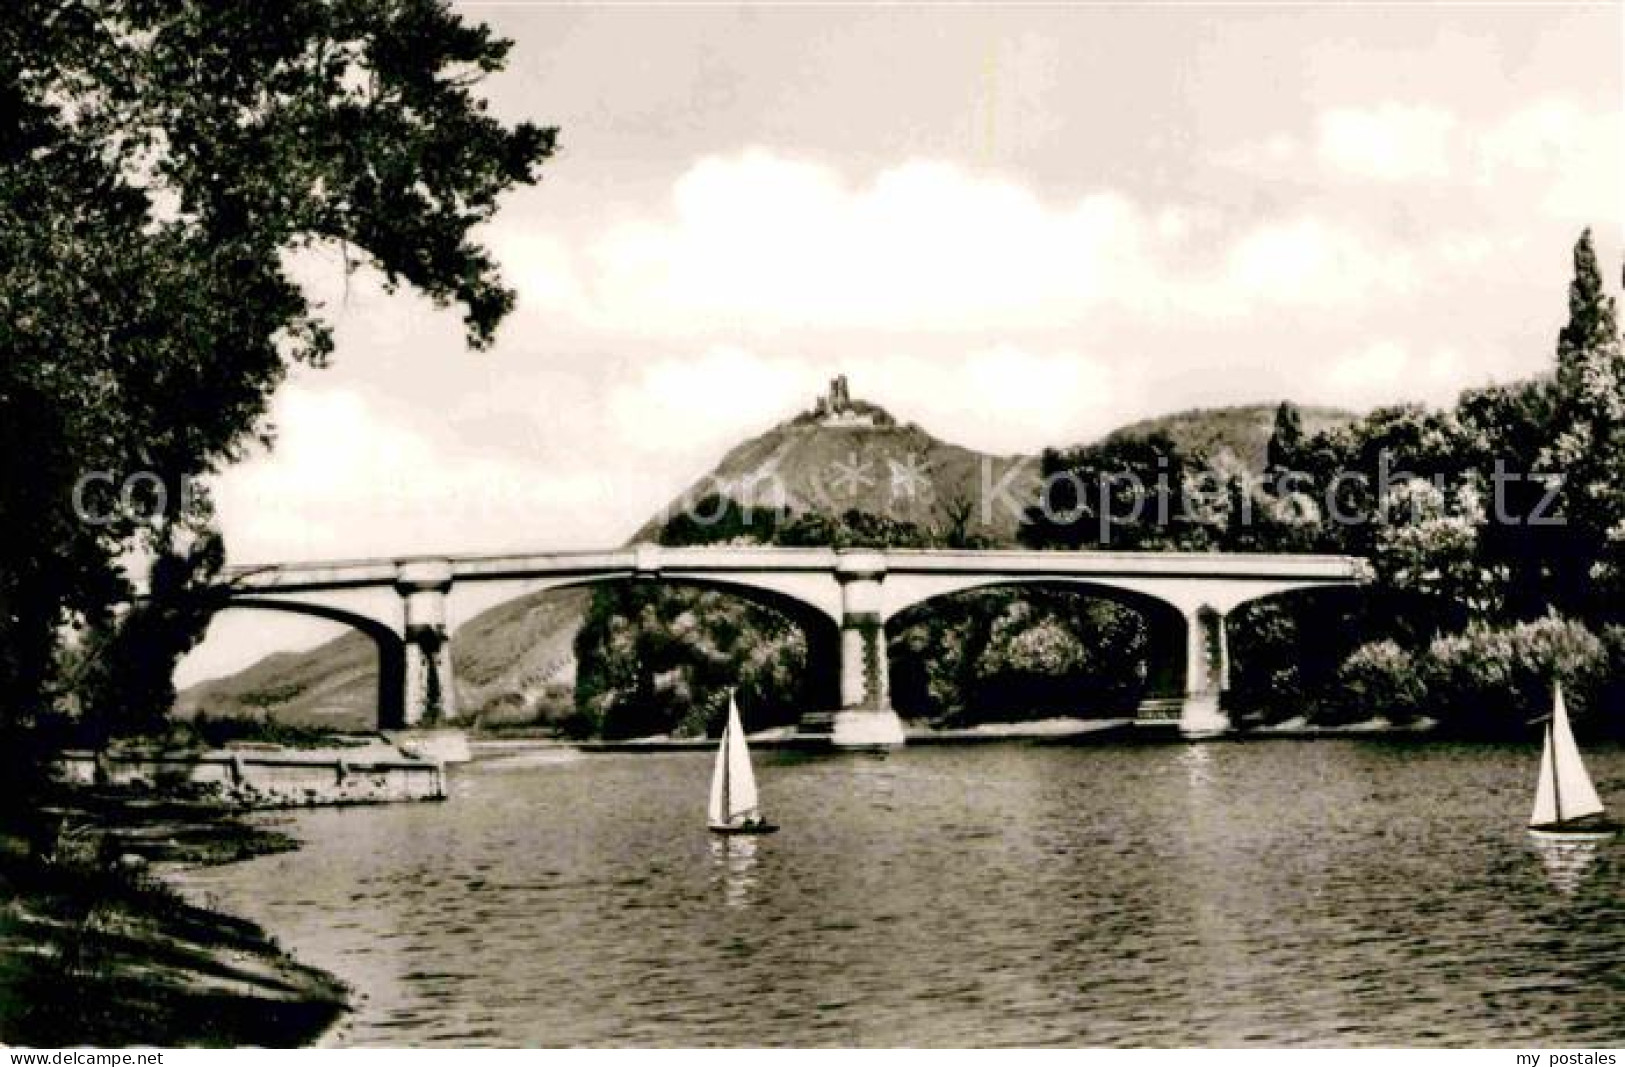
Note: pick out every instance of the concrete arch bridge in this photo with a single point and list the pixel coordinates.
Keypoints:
(408, 607)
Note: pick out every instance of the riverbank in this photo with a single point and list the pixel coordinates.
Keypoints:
(1058, 730)
(96, 950)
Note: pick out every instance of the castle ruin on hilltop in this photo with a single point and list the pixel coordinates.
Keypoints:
(836, 408)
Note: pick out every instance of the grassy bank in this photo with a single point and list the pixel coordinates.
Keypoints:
(96, 950)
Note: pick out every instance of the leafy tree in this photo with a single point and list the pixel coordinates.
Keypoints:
(1468, 567)
(1506, 428)
(721, 520)
(1380, 679)
(1132, 492)
(851, 529)
(655, 660)
(126, 682)
(1587, 444)
(159, 162)
(1483, 680)
(1428, 546)
(956, 529)
(1286, 650)
(1008, 653)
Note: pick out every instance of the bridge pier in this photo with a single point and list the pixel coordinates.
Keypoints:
(1188, 672)
(429, 691)
(865, 718)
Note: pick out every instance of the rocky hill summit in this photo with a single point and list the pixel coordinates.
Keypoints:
(845, 455)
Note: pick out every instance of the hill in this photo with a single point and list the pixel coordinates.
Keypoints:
(334, 685)
(515, 662)
(845, 455)
(1243, 430)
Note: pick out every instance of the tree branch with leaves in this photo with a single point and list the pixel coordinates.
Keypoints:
(160, 159)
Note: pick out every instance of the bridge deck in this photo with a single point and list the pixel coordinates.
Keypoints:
(352, 574)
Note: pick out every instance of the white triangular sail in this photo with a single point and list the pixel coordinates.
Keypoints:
(741, 779)
(717, 811)
(1564, 791)
(733, 784)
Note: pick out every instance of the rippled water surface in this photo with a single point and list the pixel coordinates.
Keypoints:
(1332, 892)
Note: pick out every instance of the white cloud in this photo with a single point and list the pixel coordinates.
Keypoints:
(1276, 154)
(1006, 398)
(707, 401)
(539, 265)
(1389, 142)
(763, 241)
(1002, 399)
(1311, 262)
(1544, 135)
(1552, 158)
(1577, 155)
(1390, 371)
(347, 479)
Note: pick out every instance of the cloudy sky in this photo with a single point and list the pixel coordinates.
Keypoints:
(1017, 226)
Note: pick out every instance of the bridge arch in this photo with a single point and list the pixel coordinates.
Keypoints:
(768, 596)
(1169, 630)
(911, 594)
(391, 648)
(1271, 662)
(821, 685)
(798, 591)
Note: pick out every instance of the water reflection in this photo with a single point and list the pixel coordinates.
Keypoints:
(1198, 763)
(734, 864)
(1567, 863)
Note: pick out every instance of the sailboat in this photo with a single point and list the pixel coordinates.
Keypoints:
(1566, 803)
(733, 784)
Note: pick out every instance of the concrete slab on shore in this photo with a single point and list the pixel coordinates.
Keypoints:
(260, 776)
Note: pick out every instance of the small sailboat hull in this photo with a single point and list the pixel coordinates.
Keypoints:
(1576, 830)
(757, 828)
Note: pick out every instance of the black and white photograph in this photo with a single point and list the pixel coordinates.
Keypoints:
(812, 525)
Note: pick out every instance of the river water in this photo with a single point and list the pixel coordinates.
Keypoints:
(1347, 892)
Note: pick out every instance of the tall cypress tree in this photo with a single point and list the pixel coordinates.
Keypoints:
(1587, 448)
(1285, 440)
